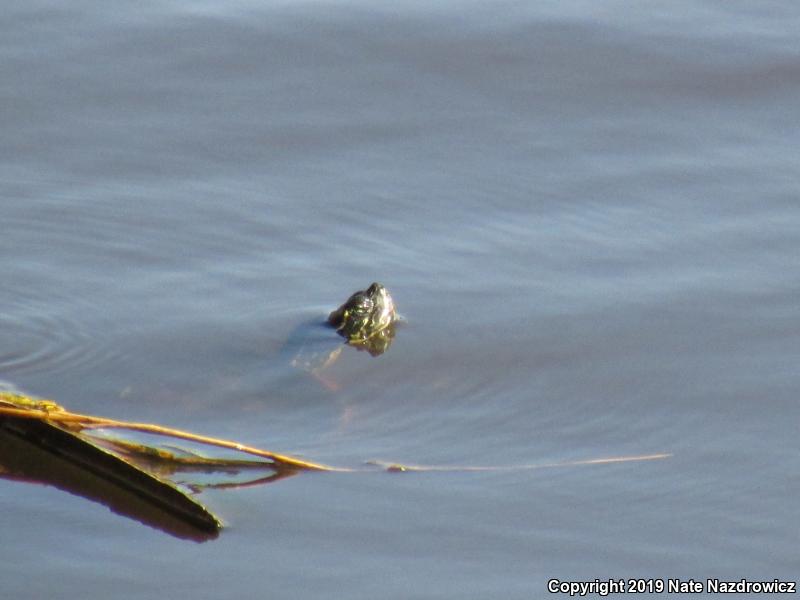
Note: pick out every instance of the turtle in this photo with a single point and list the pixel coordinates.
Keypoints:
(365, 315)
(366, 321)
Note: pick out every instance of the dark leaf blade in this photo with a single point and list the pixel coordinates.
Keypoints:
(39, 450)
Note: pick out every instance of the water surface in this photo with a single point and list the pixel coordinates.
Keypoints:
(588, 215)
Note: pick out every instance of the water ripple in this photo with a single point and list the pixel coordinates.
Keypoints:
(52, 335)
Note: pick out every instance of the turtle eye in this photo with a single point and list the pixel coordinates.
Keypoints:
(361, 305)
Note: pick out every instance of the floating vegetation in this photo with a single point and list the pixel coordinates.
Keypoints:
(151, 473)
(107, 461)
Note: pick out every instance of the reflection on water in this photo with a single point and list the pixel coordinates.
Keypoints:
(41, 442)
(21, 460)
(138, 469)
(379, 343)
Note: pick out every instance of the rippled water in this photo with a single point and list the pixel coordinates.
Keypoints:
(588, 214)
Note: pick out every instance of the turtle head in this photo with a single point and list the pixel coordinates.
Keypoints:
(365, 314)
